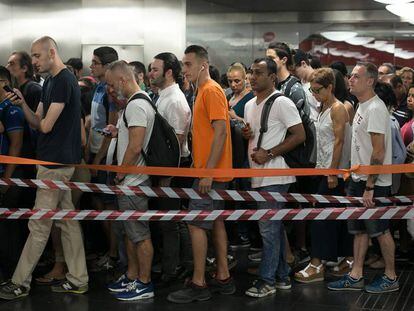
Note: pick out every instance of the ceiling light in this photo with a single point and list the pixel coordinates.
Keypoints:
(339, 35)
(392, 1)
(359, 40)
(404, 10)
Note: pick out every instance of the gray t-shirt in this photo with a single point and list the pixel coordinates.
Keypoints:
(138, 113)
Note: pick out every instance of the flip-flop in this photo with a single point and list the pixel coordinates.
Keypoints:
(46, 281)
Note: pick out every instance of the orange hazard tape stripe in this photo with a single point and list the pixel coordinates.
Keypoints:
(223, 173)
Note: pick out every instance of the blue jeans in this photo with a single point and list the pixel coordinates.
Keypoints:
(273, 236)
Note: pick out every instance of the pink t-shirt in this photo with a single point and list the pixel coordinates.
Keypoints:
(407, 132)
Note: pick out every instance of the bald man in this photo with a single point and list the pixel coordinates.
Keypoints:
(133, 132)
(57, 120)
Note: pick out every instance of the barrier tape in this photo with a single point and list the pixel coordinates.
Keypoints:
(401, 212)
(224, 173)
(188, 193)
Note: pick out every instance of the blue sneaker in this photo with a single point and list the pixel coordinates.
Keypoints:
(347, 283)
(120, 285)
(382, 284)
(137, 291)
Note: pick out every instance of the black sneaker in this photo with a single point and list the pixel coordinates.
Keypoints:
(10, 291)
(226, 287)
(241, 242)
(68, 287)
(189, 294)
(284, 284)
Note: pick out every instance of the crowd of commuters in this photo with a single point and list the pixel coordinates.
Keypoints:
(258, 115)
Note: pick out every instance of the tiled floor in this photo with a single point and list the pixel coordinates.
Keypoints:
(300, 297)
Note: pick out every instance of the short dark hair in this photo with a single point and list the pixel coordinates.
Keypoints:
(341, 67)
(76, 63)
(395, 80)
(139, 67)
(106, 54)
(341, 92)
(270, 64)
(386, 93)
(214, 73)
(170, 62)
(25, 60)
(315, 62)
(282, 50)
(300, 56)
(389, 66)
(5, 74)
(372, 70)
(198, 50)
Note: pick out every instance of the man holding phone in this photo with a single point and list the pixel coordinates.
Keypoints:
(57, 119)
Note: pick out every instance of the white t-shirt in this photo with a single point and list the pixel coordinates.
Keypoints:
(283, 115)
(314, 105)
(372, 116)
(173, 106)
(138, 113)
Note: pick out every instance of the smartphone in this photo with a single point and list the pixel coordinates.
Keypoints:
(10, 90)
(102, 131)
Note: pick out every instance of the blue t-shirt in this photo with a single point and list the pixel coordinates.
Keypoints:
(12, 118)
(100, 109)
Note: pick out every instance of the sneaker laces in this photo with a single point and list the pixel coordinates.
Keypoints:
(132, 286)
(11, 286)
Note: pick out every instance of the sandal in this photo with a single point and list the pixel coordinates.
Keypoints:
(345, 269)
(304, 277)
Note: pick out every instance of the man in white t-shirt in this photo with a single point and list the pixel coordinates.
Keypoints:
(371, 145)
(173, 106)
(283, 118)
(133, 137)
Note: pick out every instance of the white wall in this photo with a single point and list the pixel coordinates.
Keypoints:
(146, 26)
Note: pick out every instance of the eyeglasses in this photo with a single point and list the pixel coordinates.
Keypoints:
(95, 63)
(316, 91)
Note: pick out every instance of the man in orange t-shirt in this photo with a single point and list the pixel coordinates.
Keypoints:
(211, 140)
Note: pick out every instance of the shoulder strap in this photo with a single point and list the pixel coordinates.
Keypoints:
(293, 80)
(138, 96)
(265, 117)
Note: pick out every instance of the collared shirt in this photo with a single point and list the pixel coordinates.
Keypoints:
(173, 106)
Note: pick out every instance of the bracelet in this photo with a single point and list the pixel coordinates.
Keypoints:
(270, 154)
(369, 188)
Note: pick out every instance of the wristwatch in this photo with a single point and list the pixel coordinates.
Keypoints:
(369, 188)
(270, 154)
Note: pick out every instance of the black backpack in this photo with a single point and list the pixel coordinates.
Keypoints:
(303, 155)
(163, 146)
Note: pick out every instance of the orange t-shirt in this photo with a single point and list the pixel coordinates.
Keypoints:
(210, 105)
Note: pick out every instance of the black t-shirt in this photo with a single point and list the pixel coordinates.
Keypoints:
(63, 143)
(32, 92)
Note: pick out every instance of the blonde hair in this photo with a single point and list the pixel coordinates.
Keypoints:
(324, 77)
(404, 70)
(237, 67)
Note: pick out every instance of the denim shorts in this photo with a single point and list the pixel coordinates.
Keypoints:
(208, 205)
(373, 227)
